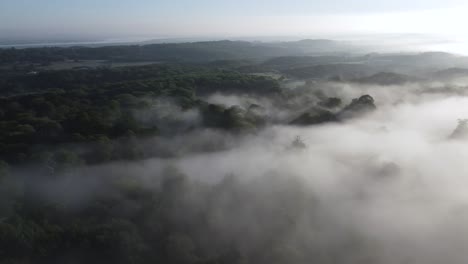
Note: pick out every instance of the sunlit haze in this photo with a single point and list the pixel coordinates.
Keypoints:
(86, 20)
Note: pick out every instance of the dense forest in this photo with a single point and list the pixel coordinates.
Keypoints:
(62, 107)
(58, 121)
(111, 164)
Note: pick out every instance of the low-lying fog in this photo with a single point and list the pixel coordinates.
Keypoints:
(387, 187)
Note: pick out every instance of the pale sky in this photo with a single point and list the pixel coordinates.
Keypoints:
(235, 18)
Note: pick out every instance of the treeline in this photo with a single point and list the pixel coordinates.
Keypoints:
(186, 52)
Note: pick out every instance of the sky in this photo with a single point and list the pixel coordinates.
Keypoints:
(125, 19)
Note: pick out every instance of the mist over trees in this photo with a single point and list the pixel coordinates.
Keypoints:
(232, 152)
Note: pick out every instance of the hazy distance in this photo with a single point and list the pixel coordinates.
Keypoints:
(438, 24)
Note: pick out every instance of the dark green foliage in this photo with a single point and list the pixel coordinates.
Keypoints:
(91, 105)
(331, 103)
(358, 106)
(233, 118)
(320, 115)
(315, 116)
(158, 79)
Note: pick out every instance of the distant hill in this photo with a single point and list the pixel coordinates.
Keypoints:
(425, 59)
(317, 46)
(386, 78)
(343, 71)
(305, 61)
(305, 58)
(451, 73)
(178, 52)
